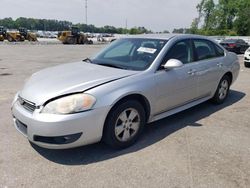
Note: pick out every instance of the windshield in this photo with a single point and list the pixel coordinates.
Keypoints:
(132, 53)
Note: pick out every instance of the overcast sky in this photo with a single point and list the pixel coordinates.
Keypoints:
(157, 15)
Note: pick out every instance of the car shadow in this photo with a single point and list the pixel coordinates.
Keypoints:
(151, 135)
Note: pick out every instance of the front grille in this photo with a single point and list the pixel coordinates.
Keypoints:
(27, 104)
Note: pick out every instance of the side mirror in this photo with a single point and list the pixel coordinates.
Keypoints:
(173, 63)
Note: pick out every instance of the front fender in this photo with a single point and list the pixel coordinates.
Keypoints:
(110, 93)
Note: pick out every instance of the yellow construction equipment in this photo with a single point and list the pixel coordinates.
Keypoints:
(14, 36)
(74, 36)
(3, 32)
(27, 35)
(11, 36)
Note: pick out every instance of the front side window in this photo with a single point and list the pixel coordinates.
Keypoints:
(204, 49)
(131, 53)
(182, 51)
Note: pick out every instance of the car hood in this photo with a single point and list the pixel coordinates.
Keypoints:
(68, 78)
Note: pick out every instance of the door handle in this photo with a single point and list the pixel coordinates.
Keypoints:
(219, 64)
(192, 72)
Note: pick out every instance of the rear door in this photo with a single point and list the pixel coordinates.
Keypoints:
(209, 59)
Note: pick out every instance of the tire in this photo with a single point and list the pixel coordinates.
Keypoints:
(10, 39)
(247, 64)
(238, 50)
(242, 51)
(71, 40)
(90, 42)
(222, 90)
(20, 39)
(124, 124)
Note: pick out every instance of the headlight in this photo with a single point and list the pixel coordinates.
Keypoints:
(15, 99)
(70, 104)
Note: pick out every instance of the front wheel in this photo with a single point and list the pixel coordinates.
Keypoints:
(124, 124)
(222, 90)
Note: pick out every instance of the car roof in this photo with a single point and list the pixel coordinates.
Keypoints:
(166, 36)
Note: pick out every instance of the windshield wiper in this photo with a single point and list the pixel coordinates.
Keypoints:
(111, 65)
(87, 60)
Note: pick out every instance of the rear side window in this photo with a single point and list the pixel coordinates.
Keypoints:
(241, 41)
(204, 49)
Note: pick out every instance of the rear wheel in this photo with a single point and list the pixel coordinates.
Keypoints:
(124, 124)
(247, 64)
(71, 40)
(222, 90)
(238, 50)
(243, 49)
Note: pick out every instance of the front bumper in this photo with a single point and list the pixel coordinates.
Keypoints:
(48, 130)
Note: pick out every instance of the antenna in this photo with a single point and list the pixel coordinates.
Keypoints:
(86, 12)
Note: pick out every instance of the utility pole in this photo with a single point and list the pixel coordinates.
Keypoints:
(86, 12)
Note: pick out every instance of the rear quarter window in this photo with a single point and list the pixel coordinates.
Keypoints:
(219, 51)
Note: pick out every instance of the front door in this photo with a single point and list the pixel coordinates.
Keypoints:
(178, 86)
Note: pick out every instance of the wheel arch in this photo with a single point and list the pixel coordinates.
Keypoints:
(138, 97)
(230, 75)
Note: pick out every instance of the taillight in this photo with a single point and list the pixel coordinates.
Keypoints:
(231, 45)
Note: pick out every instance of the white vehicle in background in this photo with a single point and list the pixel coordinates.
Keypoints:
(219, 39)
(247, 58)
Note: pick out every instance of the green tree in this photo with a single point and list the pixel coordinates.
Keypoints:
(206, 9)
(242, 21)
(55, 25)
(227, 17)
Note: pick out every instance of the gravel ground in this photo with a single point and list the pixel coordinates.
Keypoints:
(205, 146)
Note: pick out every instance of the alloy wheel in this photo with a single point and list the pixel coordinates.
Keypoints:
(127, 125)
(223, 90)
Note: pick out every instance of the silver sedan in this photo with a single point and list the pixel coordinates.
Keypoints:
(111, 96)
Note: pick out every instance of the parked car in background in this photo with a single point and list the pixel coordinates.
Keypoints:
(235, 45)
(111, 96)
(247, 58)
